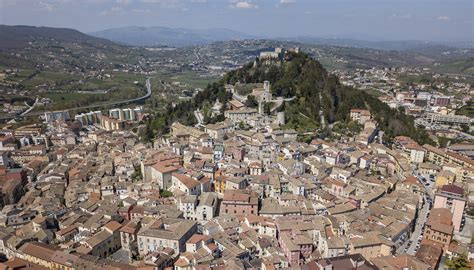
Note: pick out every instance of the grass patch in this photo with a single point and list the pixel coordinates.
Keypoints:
(467, 110)
(373, 92)
(245, 89)
(191, 79)
(49, 78)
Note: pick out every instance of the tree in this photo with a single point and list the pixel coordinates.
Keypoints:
(267, 106)
(137, 174)
(458, 262)
(166, 193)
(149, 135)
(251, 101)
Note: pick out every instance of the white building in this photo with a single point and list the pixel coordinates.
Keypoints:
(207, 207)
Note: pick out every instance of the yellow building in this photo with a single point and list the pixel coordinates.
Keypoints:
(220, 183)
(38, 253)
(110, 124)
(445, 177)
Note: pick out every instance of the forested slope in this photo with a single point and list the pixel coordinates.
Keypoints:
(315, 89)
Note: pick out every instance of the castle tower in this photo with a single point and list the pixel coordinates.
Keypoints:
(267, 95)
(261, 108)
(266, 86)
(281, 118)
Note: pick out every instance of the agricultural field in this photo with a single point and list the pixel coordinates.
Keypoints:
(465, 66)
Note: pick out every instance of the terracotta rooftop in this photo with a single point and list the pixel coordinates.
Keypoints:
(453, 189)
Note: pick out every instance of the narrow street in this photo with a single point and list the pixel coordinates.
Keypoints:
(418, 229)
(422, 217)
(421, 220)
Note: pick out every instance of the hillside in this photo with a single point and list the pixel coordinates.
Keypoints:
(67, 67)
(315, 90)
(55, 48)
(20, 36)
(165, 36)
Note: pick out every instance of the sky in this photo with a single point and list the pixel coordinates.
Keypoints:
(433, 20)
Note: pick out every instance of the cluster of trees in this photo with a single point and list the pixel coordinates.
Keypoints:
(183, 112)
(317, 93)
(459, 262)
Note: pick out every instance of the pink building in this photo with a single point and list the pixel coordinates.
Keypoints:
(239, 202)
(238, 153)
(451, 197)
(296, 247)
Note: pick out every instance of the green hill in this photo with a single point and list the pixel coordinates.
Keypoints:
(315, 90)
(20, 36)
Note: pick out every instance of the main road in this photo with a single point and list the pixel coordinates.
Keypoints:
(101, 105)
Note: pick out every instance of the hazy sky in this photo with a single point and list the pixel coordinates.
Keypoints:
(448, 20)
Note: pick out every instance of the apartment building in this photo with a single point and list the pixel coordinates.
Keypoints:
(165, 233)
(451, 197)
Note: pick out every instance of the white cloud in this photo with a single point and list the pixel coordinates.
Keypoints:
(284, 3)
(46, 6)
(141, 10)
(400, 16)
(243, 5)
(123, 2)
(165, 3)
(443, 18)
(112, 11)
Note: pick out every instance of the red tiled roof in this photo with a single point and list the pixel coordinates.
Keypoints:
(453, 189)
(186, 180)
(113, 225)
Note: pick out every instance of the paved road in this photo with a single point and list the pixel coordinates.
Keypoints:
(30, 108)
(101, 105)
(422, 218)
(423, 215)
(458, 75)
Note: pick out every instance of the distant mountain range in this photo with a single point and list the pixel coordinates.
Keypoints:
(398, 45)
(165, 36)
(20, 36)
(182, 37)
